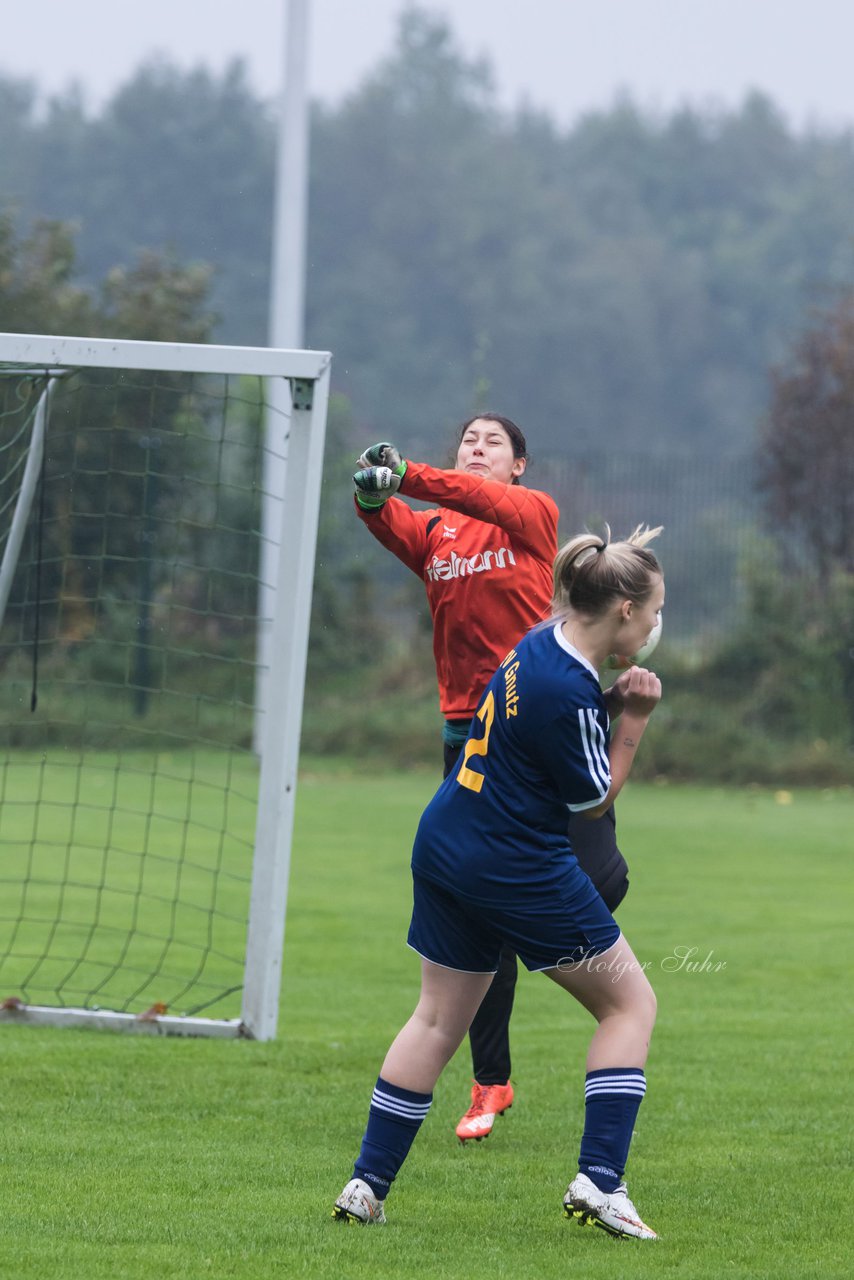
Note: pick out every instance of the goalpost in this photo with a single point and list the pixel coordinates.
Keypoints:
(144, 855)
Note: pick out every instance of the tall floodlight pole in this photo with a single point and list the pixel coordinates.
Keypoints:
(286, 319)
(287, 286)
(293, 460)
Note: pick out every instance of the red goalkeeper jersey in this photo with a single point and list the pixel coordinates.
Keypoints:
(485, 556)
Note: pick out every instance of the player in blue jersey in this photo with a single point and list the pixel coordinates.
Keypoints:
(492, 866)
(508, 532)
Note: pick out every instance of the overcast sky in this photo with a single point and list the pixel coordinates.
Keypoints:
(563, 55)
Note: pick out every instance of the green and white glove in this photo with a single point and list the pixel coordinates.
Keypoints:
(382, 455)
(380, 471)
(374, 487)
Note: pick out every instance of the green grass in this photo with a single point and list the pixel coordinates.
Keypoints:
(130, 1157)
(124, 879)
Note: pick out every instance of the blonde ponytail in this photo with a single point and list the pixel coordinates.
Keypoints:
(591, 571)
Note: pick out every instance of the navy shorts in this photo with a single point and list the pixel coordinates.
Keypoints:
(569, 925)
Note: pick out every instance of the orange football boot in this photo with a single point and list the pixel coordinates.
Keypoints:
(487, 1102)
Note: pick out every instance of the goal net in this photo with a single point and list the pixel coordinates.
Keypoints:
(158, 518)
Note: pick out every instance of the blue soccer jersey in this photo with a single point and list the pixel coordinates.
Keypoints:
(538, 745)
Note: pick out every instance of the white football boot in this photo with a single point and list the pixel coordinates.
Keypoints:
(612, 1211)
(357, 1203)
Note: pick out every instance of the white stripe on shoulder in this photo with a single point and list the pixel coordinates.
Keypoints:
(600, 746)
(592, 749)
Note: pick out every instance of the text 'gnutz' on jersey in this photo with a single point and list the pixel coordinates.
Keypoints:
(496, 830)
(485, 557)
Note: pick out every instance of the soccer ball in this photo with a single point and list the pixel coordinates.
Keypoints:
(619, 662)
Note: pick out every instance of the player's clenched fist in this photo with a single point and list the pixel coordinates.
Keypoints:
(374, 486)
(380, 470)
(382, 455)
(639, 690)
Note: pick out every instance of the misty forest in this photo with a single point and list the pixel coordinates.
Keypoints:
(662, 301)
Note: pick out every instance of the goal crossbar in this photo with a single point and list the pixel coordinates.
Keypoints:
(43, 352)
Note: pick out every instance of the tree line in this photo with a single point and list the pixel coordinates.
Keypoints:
(623, 283)
(674, 289)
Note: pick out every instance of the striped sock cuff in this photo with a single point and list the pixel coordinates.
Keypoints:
(612, 1080)
(404, 1104)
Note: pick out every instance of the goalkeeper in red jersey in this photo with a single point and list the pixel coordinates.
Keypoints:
(485, 557)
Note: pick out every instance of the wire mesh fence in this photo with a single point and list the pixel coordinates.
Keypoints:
(709, 510)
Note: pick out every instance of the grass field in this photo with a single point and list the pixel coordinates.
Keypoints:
(130, 1157)
(124, 878)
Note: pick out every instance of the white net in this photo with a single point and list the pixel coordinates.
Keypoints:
(128, 784)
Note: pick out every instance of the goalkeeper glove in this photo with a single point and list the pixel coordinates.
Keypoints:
(380, 471)
(382, 455)
(374, 487)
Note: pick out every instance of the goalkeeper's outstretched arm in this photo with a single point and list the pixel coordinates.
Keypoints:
(528, 514)
(531, 516)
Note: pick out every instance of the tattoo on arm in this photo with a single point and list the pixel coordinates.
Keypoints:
(629, 742)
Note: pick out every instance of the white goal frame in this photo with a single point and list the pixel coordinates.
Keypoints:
(299, 385)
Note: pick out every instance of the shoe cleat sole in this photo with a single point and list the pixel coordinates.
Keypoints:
(353, 1219)
(586, 1218)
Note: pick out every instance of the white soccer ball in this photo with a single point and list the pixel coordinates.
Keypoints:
(619, 661)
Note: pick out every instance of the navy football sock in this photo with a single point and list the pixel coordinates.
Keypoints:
(393, 1121)
(612, 1100)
